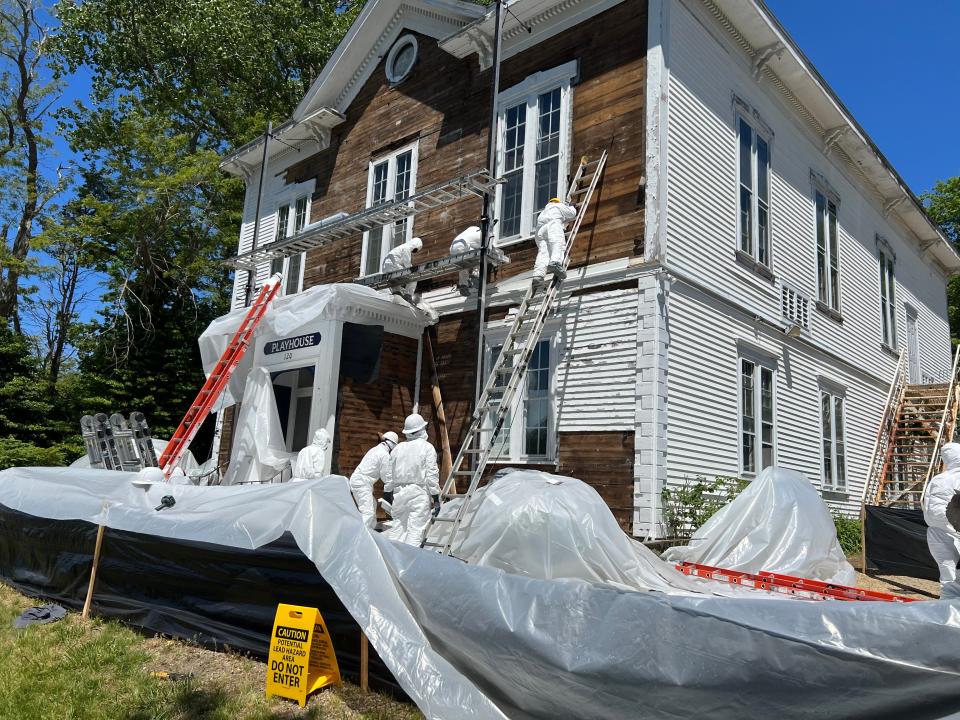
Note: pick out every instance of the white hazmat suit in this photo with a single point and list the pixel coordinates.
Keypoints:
(469, 239)
(371, 468)
(401, 258)
(942, 538)
(413, 477)
(551, 237)
(311, 462)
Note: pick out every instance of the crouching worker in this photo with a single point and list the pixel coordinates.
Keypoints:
(413, 477)
(941, 511)
(311, 462)
(371, 468)
(469, 239)
(552, 239)
(401, 258)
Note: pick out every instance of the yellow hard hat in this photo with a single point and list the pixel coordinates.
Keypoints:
(555, 200)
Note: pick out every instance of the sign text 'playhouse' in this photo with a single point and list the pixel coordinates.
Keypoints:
(292, 343)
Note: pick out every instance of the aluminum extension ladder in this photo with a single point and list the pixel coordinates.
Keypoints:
(213, 388)
(508, 373)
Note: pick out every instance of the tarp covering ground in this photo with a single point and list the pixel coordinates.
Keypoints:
(479, 642)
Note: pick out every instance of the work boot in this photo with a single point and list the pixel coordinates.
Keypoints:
(557, 269)
(539, 281)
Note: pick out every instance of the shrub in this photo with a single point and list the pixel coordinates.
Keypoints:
(687, 508)
(848, 533)
(16, 453)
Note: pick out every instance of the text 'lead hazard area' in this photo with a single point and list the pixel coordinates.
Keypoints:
(301, 654)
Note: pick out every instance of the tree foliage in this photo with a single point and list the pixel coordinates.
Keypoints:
(943, 206)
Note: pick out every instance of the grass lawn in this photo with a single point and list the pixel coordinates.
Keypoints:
(101, 670)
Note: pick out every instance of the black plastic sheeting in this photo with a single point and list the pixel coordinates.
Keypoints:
(896, 543)
(217, 596)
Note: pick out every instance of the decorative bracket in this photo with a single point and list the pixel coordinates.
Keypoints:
(764, 56)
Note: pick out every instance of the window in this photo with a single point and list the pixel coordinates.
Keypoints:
(756, 416)
(401, 59)
(828, 252)
(888, 305)
(529, 439)
(834, 453)
(288, 224)
(390, 179)
(754, 173)
(534, 120)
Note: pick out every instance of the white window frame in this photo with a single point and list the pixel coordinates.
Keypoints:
(387, 238)
(887, 260)
(404, 41)
(290, 200)
(760, 363)
(758, 132)
(831, 297)
(529, 90)
(837, 481)
(516, 452)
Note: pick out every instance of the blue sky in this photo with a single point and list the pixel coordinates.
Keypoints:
(895, 65)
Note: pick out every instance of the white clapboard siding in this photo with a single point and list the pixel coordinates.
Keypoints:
(703, 389)
(595, 381)
(706, 72)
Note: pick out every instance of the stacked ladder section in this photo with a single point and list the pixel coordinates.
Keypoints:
(213, 388)
(925, 419)
(507, 375)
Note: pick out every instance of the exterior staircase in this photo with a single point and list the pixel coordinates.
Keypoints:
(917, 421)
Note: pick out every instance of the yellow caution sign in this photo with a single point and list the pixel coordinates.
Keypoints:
(301, 654)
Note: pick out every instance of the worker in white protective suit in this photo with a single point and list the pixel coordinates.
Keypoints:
(401, 258)
(469, 239)
(371, 469)
(943, 538)
(551, 239)
(311, 462)
(414, 479)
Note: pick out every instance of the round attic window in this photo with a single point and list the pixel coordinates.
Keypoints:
(401, 58)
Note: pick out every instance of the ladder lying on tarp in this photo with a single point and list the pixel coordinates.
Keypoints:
(216, 382)
(789, 585)
(509, 371)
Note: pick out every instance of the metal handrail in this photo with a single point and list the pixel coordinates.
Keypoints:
(893, 399)
(943, 422)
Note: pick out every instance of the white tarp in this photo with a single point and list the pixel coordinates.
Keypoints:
(259, 452)
(778, 523)
(477, 642)
(303, 310)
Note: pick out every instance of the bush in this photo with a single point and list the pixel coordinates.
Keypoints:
(848, 533)
(687, 508)
(16, 453)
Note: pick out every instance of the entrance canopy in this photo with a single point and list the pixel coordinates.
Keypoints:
(297, 321)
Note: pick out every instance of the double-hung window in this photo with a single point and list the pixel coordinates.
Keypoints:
(828, 252)
(754, 186)
(534, 137)
(756, 416)
(390, 178)
(834, 453)
(291, 219)
(888, 305)
(529, 436)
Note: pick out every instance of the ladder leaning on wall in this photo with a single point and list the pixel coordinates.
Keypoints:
(507, 375)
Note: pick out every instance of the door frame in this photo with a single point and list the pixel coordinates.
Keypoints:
(913, 343)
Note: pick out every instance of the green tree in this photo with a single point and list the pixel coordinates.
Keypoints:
(943, 206)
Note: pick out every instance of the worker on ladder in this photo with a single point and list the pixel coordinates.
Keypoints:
(371, 469)
(412, 476)
(552, 239)
(939, 507)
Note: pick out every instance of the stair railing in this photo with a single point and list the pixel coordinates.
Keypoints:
(878, 460)
(949, 412)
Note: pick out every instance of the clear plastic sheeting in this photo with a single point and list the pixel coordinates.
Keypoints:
(478, 642)
(549, 527)
(259, 451)
(778, 523)
(286, 315)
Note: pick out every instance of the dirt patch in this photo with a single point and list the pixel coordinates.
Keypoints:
(900, 585)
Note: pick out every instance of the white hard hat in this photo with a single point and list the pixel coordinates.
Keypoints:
(413, 424)
(416, 244)
(149, 476)
(391, 436)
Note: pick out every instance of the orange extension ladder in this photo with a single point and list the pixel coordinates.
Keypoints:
(213, 388)
(788, 584)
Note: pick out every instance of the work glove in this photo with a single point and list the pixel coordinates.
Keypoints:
(436, 504)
